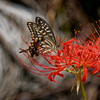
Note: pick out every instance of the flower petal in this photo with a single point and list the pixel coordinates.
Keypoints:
(84, 74)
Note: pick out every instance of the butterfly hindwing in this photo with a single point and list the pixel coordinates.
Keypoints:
(35, 30)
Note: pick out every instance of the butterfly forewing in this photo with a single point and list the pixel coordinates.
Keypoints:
(41, 22)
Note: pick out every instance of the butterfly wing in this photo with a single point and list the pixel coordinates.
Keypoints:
(35, 30)
(41, 38)
(41, 22)
(36, 38)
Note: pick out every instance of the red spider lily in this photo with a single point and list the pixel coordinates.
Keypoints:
(90, 53)
(72, 53)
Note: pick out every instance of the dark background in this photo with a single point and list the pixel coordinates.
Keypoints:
(16, 83)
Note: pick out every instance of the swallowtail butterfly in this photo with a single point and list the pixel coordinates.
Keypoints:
(43, 39)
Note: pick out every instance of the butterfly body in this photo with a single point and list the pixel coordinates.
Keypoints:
(43, 39)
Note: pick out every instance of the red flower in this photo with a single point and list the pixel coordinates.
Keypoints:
(89, 57)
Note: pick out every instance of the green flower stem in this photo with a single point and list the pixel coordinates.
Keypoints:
(83, 91)
(69, 71)
(74, 68)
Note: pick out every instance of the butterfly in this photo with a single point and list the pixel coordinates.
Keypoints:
(43, 39)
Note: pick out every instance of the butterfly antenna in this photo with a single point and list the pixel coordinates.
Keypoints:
(23, 50)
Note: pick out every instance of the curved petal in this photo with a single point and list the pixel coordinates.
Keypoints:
(84, 74)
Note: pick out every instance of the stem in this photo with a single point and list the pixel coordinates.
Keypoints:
(82, 91)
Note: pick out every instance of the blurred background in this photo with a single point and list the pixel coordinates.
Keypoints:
(16, 83)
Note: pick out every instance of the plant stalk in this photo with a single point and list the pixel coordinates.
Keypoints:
(82, 91)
